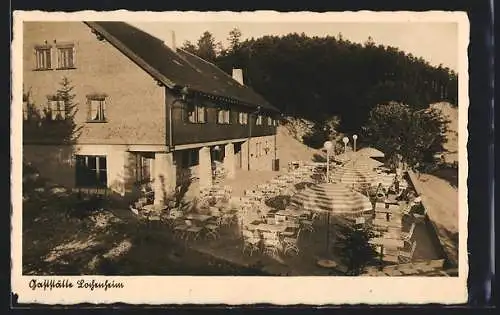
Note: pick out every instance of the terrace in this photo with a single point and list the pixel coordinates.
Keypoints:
(260, 226)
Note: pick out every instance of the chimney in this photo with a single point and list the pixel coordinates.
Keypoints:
(170, 40)
(238, 76)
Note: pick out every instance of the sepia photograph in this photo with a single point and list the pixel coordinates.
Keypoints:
(226, 146)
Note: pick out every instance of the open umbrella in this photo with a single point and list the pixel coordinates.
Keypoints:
(355, 173)
(332, 198)
(370, 152)
(367, 162)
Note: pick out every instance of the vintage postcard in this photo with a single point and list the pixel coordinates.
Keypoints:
(239, 158)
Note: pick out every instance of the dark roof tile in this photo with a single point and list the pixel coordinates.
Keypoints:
(176, 69)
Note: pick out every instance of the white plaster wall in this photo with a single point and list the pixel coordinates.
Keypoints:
(259, 159)
(57, 162)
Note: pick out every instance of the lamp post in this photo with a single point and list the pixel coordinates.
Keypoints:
(346, 141)
(328, 146)
(354, 137)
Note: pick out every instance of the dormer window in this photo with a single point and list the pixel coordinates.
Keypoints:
(97, 108)
(43, 57)
(223, 116)
(65, 56)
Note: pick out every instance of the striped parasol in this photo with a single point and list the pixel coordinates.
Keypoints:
(370, 152)
(355, 173)
(367, 162)
(332, 198)
(344, 157)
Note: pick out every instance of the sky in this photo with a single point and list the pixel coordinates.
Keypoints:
(436, 42)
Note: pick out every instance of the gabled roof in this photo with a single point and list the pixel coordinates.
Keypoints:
(176, 69)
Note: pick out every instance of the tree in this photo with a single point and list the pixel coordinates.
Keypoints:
(207, 47)
(398, 131)
(357, 251)
(189, 47)
(41, 125)
(319, 77)
(234, 39)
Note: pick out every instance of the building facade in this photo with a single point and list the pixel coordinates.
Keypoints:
(143, 111)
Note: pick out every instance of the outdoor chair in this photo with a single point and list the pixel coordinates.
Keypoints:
(424, 267)
(222, 221)
(250, 242)
(212, 231)
(290, 244)
(272, 244)
(419, 217)
(406, 209)
(408, 270)
(270, 219)
(407, 256)
(406, 236)
(437, 263)
(192, 230)
(171, 217)
(180, 230)
(307, 225)
(279, 218)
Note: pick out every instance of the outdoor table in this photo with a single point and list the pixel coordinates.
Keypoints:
(292, 225)
(387, 224)
(271, 227)
(383, 210)
(292, 213)
(153, 207)
(198, 217)
(387, 242)
(327, 264)
(391, 201)
(391, 234)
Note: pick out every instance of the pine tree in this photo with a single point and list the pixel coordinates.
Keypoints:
(69, 131)
(39, 125)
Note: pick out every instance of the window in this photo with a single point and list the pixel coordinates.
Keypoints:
(223, 116)
(43, 57)
(197, 115)
(97, 108)
(189, 158)
(275, 122)
(258, 121)
(65, 56)
(269, 121)
(56, 108)
(91, 171)
(144, 166)
(243, 118)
